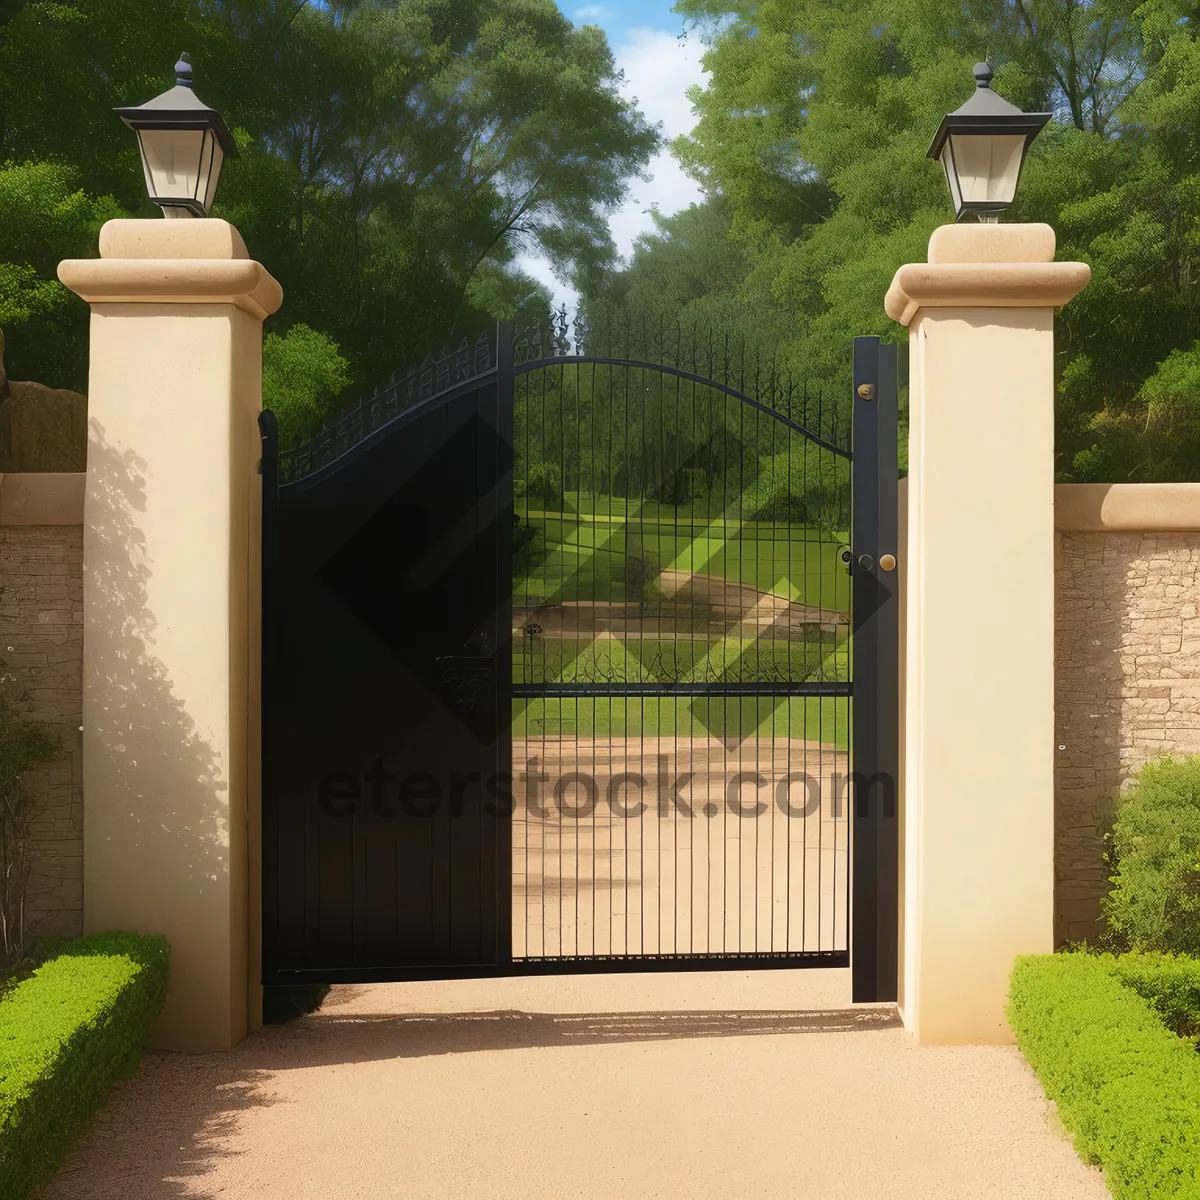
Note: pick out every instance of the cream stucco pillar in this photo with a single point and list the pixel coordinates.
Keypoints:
(979, 655)
(171, 531)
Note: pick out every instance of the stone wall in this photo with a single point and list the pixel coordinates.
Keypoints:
(1127, 645)
(41, 639)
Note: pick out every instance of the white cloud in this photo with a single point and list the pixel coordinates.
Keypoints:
(659, 69)
(592, 14)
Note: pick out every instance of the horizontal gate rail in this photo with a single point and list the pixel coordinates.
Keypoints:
(554, 690)
(756, 960)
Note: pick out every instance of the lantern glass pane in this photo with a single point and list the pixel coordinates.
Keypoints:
(210, 169)
(988, 166)
(951, 173)
(171, 158)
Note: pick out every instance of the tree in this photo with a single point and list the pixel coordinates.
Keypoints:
(811, 144)
(395, 157)
(302, 373)
(44, 218)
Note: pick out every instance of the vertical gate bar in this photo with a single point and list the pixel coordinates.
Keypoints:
(875, 725)
(505, 521)
(888, 681)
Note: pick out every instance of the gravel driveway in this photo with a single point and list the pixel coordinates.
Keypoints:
(760, 1083)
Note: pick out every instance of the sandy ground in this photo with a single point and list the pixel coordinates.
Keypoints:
(704, 880)
(730, 1085)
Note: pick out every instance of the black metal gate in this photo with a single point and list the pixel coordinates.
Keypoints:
(561, 639)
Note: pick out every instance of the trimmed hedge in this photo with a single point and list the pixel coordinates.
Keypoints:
(67, 1034)
(1170, 982)
(1126, 1086)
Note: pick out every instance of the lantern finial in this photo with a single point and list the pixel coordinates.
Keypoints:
(183, 70)
(984, 74)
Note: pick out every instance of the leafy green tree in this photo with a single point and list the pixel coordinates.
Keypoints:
(395, 157)
(811, 143)
(302, 374)
(44, 218)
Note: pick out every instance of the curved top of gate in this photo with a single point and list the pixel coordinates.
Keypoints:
(694, 353)
(435, 379)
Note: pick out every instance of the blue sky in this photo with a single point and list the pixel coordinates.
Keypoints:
(659, 67)
(615, 17)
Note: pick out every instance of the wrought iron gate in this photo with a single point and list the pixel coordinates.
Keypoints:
(562, 638)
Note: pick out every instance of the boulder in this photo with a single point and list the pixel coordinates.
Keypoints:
(41, 428)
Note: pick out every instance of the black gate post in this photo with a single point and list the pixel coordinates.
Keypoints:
(876, 738)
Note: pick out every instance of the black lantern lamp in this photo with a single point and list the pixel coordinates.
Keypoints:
(983, 146)
(183, 144)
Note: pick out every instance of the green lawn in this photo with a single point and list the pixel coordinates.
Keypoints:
(686, 660)
(590, 548)
(583, 552)
(800, 718)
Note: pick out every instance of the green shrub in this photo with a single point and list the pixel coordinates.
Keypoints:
(1126, 1087)
(1155, 900)
(303, 371)
(1171, 983)
(22, 746)
(67, 1034)
(540, 480)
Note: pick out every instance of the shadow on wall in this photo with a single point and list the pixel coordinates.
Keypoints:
(162, 801)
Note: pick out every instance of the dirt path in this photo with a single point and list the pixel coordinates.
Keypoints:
(647, 1086)
(698, 605)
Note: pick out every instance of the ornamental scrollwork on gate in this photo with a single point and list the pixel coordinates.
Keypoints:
(421, 383)
(539, 338)
(464, 675)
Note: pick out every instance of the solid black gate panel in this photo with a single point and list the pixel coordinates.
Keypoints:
(385, 812)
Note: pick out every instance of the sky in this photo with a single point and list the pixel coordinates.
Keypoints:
(659, 68)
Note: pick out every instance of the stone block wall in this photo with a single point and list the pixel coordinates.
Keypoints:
(1127, 646)
(41, 640)
(1127, 677)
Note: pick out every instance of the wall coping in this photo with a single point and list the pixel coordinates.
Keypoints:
(42, 498)
(1127, 507)
(56, 498)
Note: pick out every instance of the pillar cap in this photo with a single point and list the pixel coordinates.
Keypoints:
(173, 262)
(206, 237)
(986, 266)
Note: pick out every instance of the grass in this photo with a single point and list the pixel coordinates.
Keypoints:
(582, 552)
(824, 719)
(639, 659)
(588, 549)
